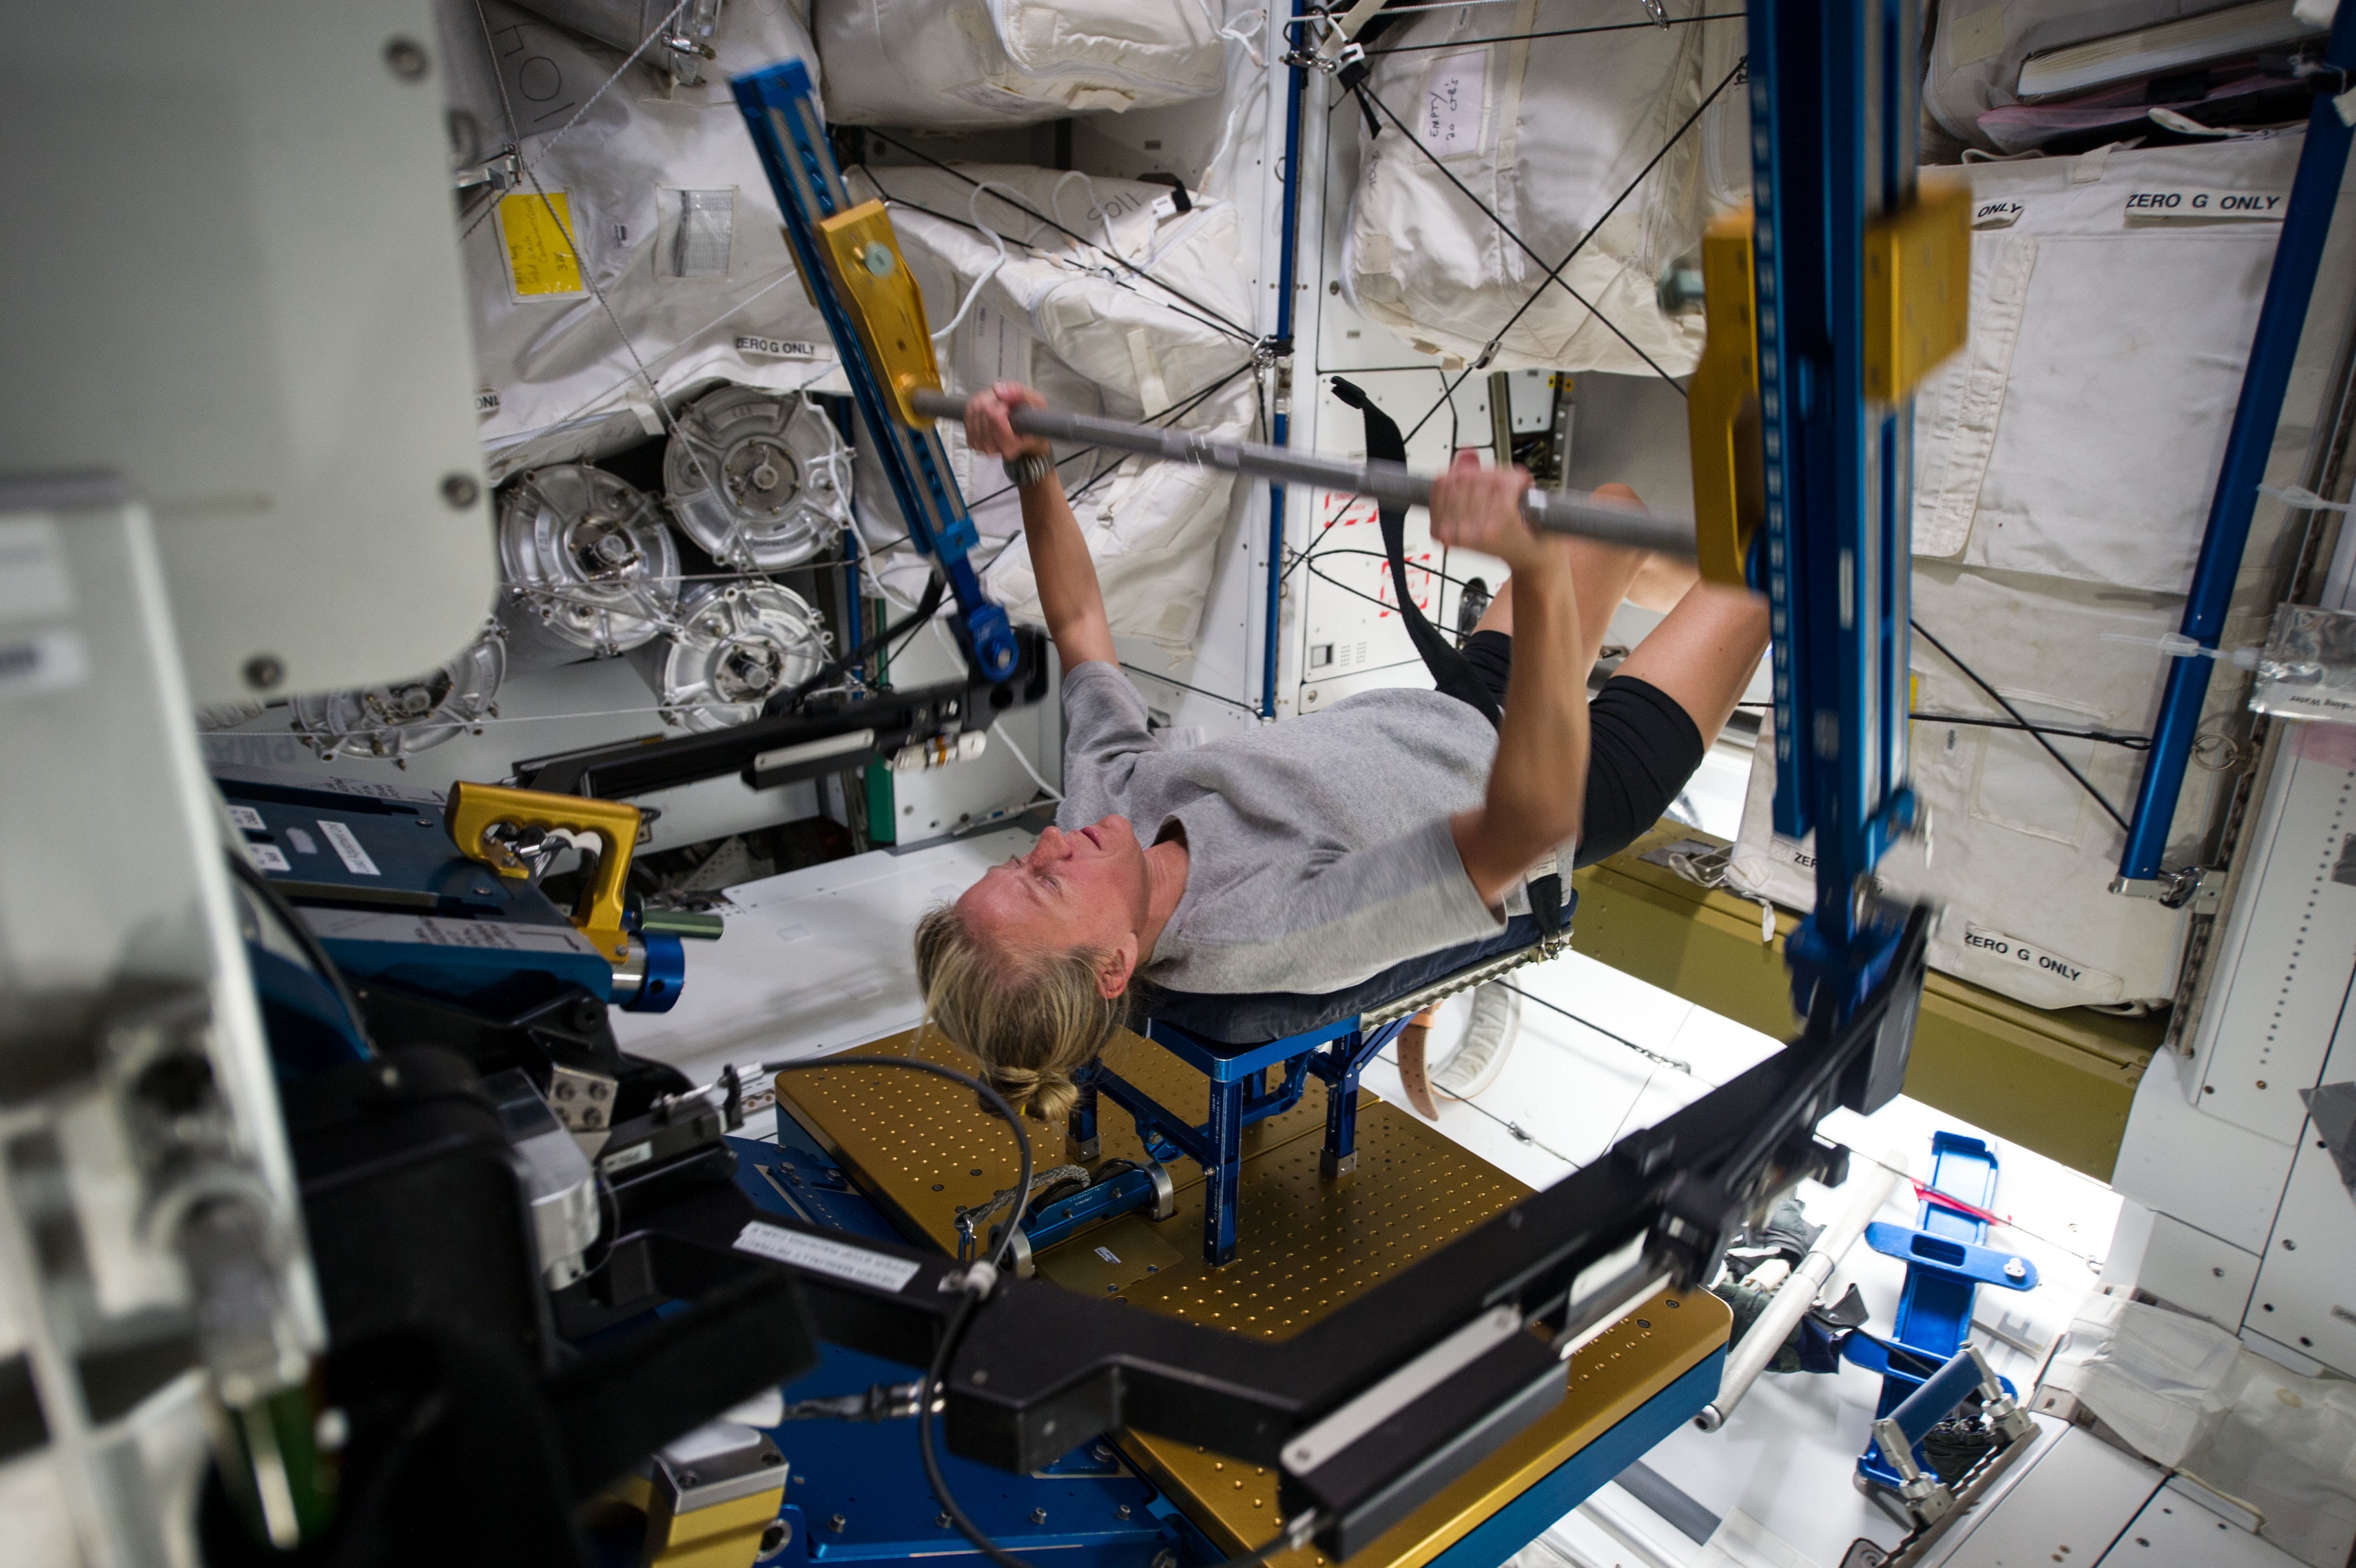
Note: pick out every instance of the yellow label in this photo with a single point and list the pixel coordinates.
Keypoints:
(539, 256)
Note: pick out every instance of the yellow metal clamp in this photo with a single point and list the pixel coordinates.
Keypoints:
(1722, 405)
(474, 811)
(1918, 269)
(1918, 286)
(887, 309)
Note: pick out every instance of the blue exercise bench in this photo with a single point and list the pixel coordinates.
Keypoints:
(1238, 1042)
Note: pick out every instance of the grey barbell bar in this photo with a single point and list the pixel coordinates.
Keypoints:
(1581, 513)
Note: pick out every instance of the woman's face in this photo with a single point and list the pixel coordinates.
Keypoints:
(1081, 890)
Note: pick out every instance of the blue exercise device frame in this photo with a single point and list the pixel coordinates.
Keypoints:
(1945, 1265)
(779, 104)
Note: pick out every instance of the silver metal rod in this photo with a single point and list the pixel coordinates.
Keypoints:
(1579, 512)
(1750, 1357)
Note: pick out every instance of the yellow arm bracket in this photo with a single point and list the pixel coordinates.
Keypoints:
(886, 309)
(1918, 286)
(475, 811)
(1722, 405)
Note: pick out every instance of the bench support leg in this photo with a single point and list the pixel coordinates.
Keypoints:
(1339, 1157)
(1080, 1133)
(1223, 1176)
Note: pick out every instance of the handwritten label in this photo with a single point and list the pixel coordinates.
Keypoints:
(1456, 94)
(2180, 206)
(536, 233)
(2002, 214)
(775, 348)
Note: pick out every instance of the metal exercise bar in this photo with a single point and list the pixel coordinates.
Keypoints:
(1577, 512)
(1832, 113)
(2298, 252)
(780, 108)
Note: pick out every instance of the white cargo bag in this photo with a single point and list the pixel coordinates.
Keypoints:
(664, 199)
(1094, 337)
(2113, 304)
(1548, 133)
(958, 64)
(2021, 857)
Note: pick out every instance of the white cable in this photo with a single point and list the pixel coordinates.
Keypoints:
(998, 728)
(1243, 32)
(973, 207)
(1104, 213)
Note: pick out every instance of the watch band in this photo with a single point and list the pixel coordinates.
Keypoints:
(1029, 469)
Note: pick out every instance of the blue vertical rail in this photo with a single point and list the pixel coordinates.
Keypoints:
(1280, 424)
(779, 103)
(2297, 253)
(1832, 109)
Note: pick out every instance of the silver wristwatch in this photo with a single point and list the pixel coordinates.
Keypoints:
(1028, 469)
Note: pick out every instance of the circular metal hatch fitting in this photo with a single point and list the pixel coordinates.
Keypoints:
(587, 560)
(761, 481)
(736, 645)
(401, 718)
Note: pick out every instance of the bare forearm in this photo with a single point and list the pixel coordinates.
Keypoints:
(1538, 784)
(1068, 591)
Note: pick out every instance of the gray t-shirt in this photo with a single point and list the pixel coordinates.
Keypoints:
(1319, 849)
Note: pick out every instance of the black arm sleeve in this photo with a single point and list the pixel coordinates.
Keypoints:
(1642, 749)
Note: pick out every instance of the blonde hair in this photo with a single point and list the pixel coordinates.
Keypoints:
(1033, 1020)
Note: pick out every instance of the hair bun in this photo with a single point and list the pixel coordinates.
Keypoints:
(1042, 1092)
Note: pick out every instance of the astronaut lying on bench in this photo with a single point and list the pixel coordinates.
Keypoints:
(1311, 855)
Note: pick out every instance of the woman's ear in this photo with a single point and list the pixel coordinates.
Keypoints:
(1114, 969)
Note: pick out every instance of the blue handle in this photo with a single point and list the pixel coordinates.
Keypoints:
(1945, 1254)
(1936, 1400)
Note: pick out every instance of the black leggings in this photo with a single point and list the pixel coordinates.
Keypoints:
(1642, 747)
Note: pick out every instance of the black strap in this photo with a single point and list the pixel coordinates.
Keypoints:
(1451, 670)
(1451, 673)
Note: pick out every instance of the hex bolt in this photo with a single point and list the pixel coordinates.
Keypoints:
(1038, 1516)
(943, 1521)
(1121, 1512)
(836, 1523)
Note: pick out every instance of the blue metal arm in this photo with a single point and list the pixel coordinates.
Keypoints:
(780, 108)
(1833, 103)
(2314, 192)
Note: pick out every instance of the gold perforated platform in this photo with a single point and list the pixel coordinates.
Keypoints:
(1233, 1503)
(920, 1147)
